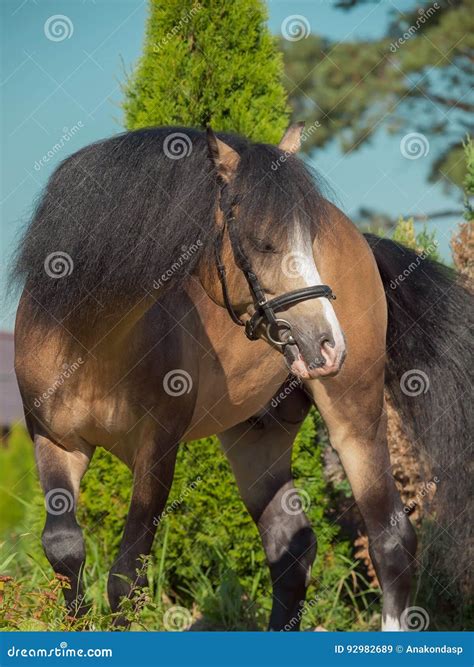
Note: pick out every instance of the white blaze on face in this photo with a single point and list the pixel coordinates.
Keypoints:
(308, 272)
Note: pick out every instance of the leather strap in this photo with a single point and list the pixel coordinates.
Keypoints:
(264, 309)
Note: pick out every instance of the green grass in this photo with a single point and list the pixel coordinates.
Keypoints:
(207, 567)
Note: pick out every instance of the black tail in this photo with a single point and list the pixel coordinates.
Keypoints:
(429, 376)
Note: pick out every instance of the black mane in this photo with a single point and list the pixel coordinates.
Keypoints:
(125, 212)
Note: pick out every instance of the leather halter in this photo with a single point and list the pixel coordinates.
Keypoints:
(265, 310)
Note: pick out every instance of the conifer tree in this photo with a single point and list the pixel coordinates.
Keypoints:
(209, 62)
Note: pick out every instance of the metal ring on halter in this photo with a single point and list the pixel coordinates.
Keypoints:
(281, 323)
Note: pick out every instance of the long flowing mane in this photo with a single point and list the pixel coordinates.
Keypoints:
(116, 215)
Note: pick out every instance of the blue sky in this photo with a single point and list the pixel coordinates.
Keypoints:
(49, 87)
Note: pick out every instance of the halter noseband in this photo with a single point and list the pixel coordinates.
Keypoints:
(264, 309)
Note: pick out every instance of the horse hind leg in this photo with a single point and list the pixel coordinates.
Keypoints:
(152, 478)
(259, 453)
(60, 472)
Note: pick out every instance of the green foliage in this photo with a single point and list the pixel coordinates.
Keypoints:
(208, 63)
(207, 556)
(17, 481)
(415, 78)
(424, 242)
(468, 182)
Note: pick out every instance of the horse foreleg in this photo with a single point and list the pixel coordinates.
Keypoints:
(357, 429)
(260, 455)
(60, 472)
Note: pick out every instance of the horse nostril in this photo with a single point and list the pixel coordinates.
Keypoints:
(326, 338)
(328, 349)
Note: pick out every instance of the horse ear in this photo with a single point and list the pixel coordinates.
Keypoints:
(224, 158)
(291, 141)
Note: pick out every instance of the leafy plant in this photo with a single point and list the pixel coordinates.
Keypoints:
(208, 63)
(424, 242)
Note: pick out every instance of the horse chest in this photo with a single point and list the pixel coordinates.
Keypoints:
(234, 386)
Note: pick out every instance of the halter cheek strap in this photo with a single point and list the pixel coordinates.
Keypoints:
(278, 330)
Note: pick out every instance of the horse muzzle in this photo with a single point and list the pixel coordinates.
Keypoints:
(307, 361)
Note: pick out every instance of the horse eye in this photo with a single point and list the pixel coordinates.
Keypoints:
(262, 245)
